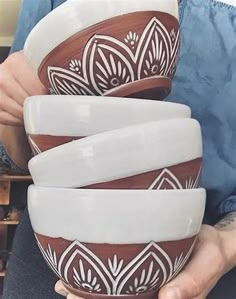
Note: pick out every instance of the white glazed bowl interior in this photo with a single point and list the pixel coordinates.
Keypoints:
(75, 15)
(116, 216)
(84, 116)
(118, 154)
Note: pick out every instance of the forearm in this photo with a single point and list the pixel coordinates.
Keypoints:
(227, 231)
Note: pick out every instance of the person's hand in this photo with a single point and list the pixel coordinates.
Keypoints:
(61, 290)
(211, 259)
(17, 82)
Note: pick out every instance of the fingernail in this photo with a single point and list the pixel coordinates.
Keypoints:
(172, 293)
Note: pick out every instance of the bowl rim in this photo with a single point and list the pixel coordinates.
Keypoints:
(74, 8)
(147, 215)
(124, 152)
(81, 116)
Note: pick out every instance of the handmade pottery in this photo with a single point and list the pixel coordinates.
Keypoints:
(75, 15)
(99, 256)
(74, 117)
(102, 56)
(120, 154)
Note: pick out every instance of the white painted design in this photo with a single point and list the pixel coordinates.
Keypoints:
(108, 62)
(191, 183)
(36, 150)
(145, 282)
(167, 178)
(132, 39)
(75, 66)
(117, 277)
(115, 266)
(85, 280)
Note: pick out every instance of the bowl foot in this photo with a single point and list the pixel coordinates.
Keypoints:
(153, 88)
(86, 295)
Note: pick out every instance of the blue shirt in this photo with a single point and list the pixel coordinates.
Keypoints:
(205, 80)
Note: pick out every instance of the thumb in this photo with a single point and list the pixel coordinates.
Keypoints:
(198, 277)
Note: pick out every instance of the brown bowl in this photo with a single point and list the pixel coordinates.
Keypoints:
(104, 56)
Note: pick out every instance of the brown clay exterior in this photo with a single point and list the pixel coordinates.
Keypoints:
(107, 55)
(182, 176)
(115, 270)
(41, 143)
(149, 88)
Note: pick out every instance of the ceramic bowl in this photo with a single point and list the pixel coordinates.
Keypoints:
(97, 255)
(74, 117)
(92, 55)
(124, 154)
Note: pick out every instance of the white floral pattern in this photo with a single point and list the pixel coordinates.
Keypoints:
(132, 39)
(75, 66)
(107, 62)
(116, 277)
(85, 282)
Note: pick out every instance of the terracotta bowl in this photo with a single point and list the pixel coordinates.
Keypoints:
(97, 255)
(92, 55)
(148, 150)
(54, 120)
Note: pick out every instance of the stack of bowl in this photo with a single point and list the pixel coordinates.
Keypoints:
(116, 205)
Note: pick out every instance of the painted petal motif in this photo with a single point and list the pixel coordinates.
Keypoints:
(150, 269)
(107, 62)
(110, 66)
(154, 50)
(67, 82)
(166, 180)
(145, 281)
(84, 279)
(175, 39)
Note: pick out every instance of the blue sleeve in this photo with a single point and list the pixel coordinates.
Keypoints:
(31, 12)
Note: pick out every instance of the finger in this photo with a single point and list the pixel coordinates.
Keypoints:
(71, 296)
(201, 297)
(9, 120)
(12, 88)
(9, 105)
(60, 289)
(24, 75)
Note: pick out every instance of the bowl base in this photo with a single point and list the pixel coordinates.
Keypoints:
(86, 295)
(153, 88)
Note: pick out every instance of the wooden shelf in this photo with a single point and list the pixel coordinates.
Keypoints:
(15, 178)
(9, 222)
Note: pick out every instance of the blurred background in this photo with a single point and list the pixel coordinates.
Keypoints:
(9, 10)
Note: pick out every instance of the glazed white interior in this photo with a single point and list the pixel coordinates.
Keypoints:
(116, 216)
(118, 154)
(76, 15)
(84, 116)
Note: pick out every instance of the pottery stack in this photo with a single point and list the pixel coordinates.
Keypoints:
(116, 206)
